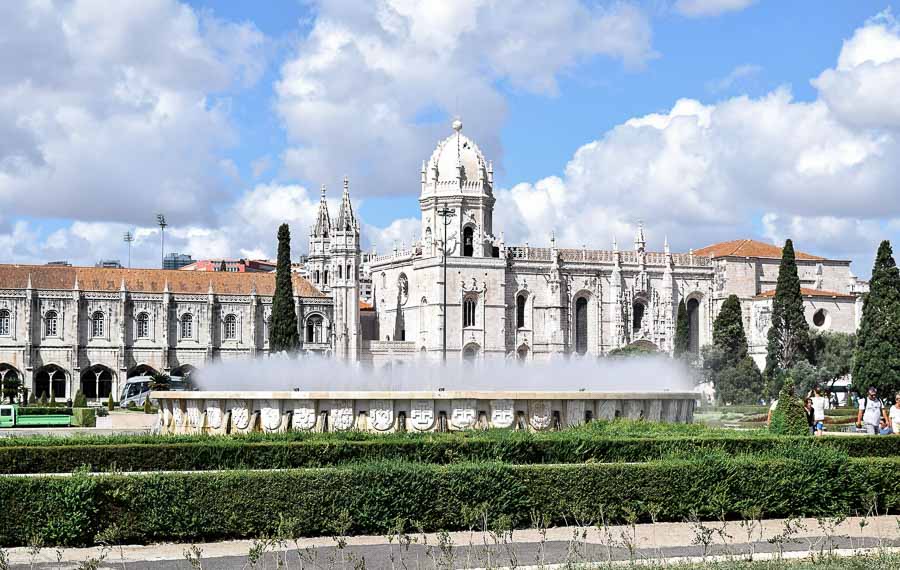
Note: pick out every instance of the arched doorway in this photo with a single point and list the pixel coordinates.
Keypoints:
(637, 316)
(581, 325)
(142, 370)
(10, 381)
(470, 352)
(51, 380)
(96, 382)
(183, 371)
(468, 241)
(522, 353)
(693, 312)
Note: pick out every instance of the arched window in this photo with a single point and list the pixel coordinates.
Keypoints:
(230, 327)
(581, 328)
(317, 276)
(143, 326)
(326, 277)
(4, 323)
(97, 325)
(469, 312)
(693, 311)
(428, 234)
(314, 328)
(383, 281)
(520, 311)
(468, 242)
(266, 330)
(340, 271)
(50, 321)
(470, 353)
(637, 316)
(187, 325)
(349, 272)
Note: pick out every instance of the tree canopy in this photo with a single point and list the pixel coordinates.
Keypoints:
(727, 365)
(788, 336)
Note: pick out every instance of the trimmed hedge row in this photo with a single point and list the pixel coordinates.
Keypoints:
(228, 453)
(40, 411)
(375, 498)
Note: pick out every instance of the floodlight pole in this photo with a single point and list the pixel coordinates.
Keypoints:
(161, 220)
(128, 238)
(447, 214)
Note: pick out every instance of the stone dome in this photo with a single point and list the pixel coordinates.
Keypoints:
(443, 168)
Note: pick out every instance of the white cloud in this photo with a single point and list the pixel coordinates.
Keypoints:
(824, 174)
(701, 8)
(110, 110)
(364, 92)
(735, 77)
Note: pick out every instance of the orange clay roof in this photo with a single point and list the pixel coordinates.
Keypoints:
(749, 248)
(807, 293)
(363, 306)
(147, 280)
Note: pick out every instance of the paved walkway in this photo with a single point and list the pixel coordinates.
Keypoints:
(769, 539)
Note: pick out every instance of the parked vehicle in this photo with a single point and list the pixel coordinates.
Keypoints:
(137, 389)
(10, 417)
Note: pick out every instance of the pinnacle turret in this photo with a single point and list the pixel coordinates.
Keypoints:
(323, 221)
(346, 220)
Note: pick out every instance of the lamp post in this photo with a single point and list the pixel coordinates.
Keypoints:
(128, 238)
(447, 214)
(161, 220)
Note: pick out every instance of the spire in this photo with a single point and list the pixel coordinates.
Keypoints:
(29, 285)
(323, 222)
(666, 246)
(346, 220)
(615, 244)
(122, 286)
(640, 242)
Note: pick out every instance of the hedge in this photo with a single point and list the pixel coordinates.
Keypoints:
(41, 411)
(374, 498)
(236, 453)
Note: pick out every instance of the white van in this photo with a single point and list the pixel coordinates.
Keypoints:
(137, 389)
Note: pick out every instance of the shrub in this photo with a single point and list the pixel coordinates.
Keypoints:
(31, 399)
(110, 404)
(38, 411)
(148, 408)
(80, 400)
(53, 398)
(132, 405)
(84, 417)
(238, 504)
(43, 400)
(789, 417)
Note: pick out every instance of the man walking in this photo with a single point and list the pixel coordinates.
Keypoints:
(871, 411)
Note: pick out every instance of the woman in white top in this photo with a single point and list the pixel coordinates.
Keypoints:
(895, 414)
(819, 404)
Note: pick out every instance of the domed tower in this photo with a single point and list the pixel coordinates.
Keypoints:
(457, 177)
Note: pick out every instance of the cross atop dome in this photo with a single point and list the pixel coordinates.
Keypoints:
(456, 125)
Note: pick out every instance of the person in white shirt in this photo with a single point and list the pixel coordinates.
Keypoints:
(871, 410)
(894, 414)
(819, 404)
(771, 409)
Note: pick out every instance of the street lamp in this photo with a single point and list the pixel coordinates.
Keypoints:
(447, 214)
(161, 220)
(128, 238)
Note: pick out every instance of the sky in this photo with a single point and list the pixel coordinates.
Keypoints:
(706, 120)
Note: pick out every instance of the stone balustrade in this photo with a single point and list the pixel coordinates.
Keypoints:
(418, 411)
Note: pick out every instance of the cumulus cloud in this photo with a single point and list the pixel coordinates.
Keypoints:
(370, 87)
(823, 171)
(111, 110)
(702, 8)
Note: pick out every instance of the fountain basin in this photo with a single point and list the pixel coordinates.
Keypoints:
(230, 412)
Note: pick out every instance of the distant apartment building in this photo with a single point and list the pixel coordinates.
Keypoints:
(109, 264)
(232, 265)
(177, 260)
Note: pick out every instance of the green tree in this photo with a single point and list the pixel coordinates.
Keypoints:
(831, 355)
(283, 335)
(726, 364)
(110, 404)
(80, 400)
(789, 417)
(877, 361)
(632, 350)
(788, 336)
(682, 331)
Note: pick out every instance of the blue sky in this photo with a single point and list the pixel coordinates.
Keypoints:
(263, 109)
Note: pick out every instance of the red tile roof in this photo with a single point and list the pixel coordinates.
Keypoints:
(749, 248)
(363, 306)
(807, 293)
(146, 280)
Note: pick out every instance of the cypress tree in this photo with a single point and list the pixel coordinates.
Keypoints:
(283, 335)
(877, 357)
(789, 417)
(788, 336)
(728, 331)
(682, 331)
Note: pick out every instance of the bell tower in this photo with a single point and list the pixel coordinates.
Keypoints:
(344, 262)
(317, 264)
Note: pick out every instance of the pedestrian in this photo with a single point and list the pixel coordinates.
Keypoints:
(884, 428)
(810, 415)
(871, 410)
(894, 414)
(819, 404)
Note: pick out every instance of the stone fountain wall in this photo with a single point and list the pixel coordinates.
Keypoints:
(384, 412)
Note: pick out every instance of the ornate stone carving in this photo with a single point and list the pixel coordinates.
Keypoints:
(381, 414)
(270, 415)
(240, 414)
(539, 414)
(177, 413)
(304, 417)
(463, 414)
(421, 414)
(502, 413)
(342, 415)
(213, 414)
(195, 413)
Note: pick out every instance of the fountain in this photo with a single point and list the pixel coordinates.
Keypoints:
(323, 395)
